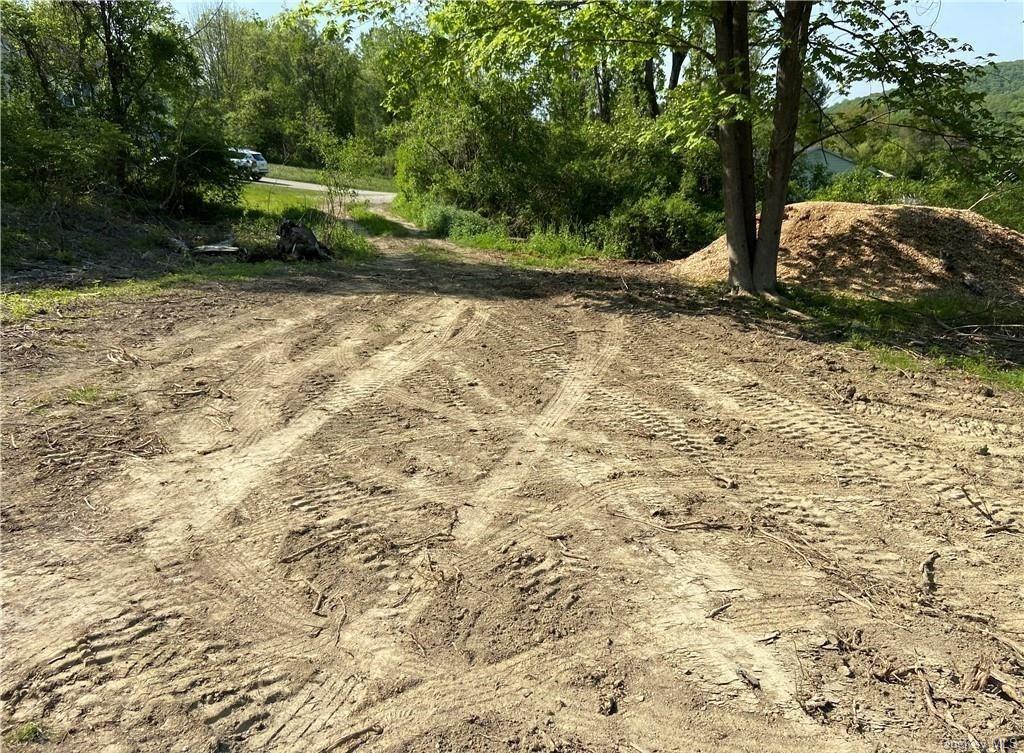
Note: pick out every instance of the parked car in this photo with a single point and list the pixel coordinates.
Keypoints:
(250, 163)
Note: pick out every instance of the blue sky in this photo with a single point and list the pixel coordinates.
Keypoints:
(987, 25)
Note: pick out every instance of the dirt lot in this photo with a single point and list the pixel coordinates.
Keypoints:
(448, 506)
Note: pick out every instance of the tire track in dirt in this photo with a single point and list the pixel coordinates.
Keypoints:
(392, 363)
(583, 370)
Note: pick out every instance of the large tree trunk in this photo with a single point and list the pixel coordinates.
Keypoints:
(602, 90)
(653, 109)
(753, 248)
(115, 78)
(735, 140)
(788, 86)
(678, 58)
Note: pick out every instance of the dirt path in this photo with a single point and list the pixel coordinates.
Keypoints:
(449, 506)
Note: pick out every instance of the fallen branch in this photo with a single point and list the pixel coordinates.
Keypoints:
(359, 734)
(718, 610)
(928, 573)
(944, 716)
(689, 525)
(303, 552)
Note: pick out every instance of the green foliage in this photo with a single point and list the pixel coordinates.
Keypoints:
(655, 228)
(54, 164)
(908, 335)
(375, 224)
(441, 220)
(1005, 205)
(1003, 87)
(27, 732)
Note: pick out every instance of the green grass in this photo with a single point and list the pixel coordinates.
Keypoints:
(27, 732)
(548, 249)
(17, 306)
(908, 336)
(276, 200)
(90, 395)
(314, 175)
(377, 224)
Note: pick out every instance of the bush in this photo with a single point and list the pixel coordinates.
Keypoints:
(1006, 205)
(442, 220)
(57, 164)
(655, 228)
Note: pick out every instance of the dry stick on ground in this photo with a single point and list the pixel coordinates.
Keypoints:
(1007, 685)
(944, 716)
(359, 735)
(446, 536)
(718, 610)
(928, 573)
(303, 552)
(689, 525)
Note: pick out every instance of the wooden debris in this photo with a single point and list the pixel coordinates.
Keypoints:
(359, 736)
(928, 573)
(718, 610)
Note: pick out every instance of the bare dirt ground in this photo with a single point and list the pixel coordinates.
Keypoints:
(420, 505)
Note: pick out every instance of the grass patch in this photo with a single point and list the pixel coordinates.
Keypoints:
(908, 335)
(27, 732)
(276, 200)
(560, 249)
(432, 253)
(315, 175)
(377, 224)
(90, 395)
(17, 306)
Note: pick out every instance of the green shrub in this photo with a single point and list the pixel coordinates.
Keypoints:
(1005, 206)
(442, 220)
(657, 227)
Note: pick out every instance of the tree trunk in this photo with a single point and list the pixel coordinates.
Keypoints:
(603, 92)
(653, 109)
(115, 77)
(788, 87)
(735, 140)
(678, 58)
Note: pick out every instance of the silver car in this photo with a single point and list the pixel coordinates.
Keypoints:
(250, 163)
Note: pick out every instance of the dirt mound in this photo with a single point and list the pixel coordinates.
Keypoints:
(885, 250)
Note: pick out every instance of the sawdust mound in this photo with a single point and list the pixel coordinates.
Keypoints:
(892, 251)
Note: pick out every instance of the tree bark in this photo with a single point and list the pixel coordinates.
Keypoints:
(678, 58)
(735, 140)
(115, 78)
(653, 109)
(788, 87)
(753, 247)
(602, 89)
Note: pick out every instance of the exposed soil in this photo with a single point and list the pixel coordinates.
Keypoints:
(894, 251)
(426, 506)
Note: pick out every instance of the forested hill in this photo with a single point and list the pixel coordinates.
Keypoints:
(1002, 84)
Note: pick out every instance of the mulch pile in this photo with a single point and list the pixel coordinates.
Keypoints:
(891, 251)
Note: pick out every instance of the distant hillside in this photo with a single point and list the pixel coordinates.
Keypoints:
(1002, 84)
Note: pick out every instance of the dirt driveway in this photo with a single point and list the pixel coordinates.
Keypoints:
(428, 505)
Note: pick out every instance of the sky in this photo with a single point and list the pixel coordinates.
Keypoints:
(987, 25)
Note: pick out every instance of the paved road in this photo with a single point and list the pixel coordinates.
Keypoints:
(373, 197)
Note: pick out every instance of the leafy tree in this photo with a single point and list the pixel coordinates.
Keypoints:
(756, 59)
(80, 64)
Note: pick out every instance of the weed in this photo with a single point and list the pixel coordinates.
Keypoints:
(90, 395)
(907, 335)
(27, 732)
(376, 224)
